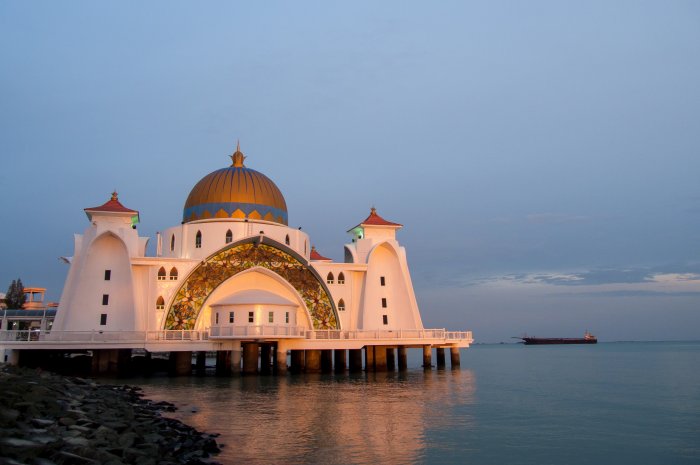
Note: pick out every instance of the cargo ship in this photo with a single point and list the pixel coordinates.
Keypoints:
(587, 338)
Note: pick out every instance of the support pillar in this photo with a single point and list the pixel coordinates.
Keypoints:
(236, 358)
(390, 359)
(250, 358)
(124, 362)
(265, 352)
(379, 358)
(312, 361)
(326, 361)
(339, 360)
(201, 365)
(369, 358)
(454, 357)
(297, 361)
(281, 358)
(355, 360)
(223, 362)
(427, 358)
(181, 363)
(440, 352)
(403, 359)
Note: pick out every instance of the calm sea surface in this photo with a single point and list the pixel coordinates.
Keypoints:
(611, 403)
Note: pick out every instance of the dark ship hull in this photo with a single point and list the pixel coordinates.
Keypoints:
(558, 340)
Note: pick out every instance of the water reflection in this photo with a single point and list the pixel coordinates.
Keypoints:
(384, 418)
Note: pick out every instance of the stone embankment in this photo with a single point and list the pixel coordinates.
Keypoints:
(48, 419)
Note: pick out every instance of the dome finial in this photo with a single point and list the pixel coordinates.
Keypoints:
(238, 157)
(115, 196)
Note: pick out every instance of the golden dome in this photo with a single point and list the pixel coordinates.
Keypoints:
(236, 192)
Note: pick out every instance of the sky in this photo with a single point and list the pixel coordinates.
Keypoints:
(543, 156)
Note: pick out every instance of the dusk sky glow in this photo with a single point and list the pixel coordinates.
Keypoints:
(542, 156)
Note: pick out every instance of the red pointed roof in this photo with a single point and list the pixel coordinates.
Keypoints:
(317, 256)
(113, 205)
(375, 220)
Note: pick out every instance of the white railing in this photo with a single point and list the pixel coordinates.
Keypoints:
(102, 336)
(229, 332)
(256, 331)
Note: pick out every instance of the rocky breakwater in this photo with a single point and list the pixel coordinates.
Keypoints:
(49, 419)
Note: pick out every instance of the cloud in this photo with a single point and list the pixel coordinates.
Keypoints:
(611, 282)
(555, 218)
(635, 293)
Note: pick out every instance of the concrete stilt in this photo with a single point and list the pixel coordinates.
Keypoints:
(390, 359)
(250, 358)
(355, 360)
(379, 358)
(440, 352)
(281, 358)
(454, 357)
(297, 361)
(327, 361)
(236, 358)
(124, 362)
(312, 362)
(403, 359)
(223, 362)
(339, 360)
(265, 352)
(181, 363)
(101, 361)
(427, 358)
(369, 358)
(147, 367)
(201, 364)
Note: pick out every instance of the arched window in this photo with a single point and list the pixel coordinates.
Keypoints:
(286, 239)
(304, 247)
(341, 278)
(329, 278)
(229, 236)
(173, 274)
(341, 305)
(160, 303)
(198, 240)
(161, 274)
(172, 242)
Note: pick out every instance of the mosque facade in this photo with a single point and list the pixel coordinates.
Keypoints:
(233, 263)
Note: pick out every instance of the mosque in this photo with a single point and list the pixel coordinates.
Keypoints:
(235, 278)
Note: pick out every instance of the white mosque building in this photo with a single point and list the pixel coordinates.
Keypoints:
(236, 273)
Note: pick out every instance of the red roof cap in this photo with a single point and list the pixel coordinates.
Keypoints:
(375, 220)
(112, 205)
(317, 256)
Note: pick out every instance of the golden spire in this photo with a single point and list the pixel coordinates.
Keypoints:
(115, 196)
(238, 157)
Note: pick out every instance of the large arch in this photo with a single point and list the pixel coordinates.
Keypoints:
(262, 252)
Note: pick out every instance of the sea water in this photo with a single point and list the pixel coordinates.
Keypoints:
(610, 403)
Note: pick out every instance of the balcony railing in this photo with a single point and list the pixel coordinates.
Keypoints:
(229, 332)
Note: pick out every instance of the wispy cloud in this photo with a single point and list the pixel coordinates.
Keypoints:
(611, 282)
(555, 218)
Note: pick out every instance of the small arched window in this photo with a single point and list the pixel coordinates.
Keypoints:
(198, 240)
(304, 247)
(161, 274)
(341, 278)
(341, 305)
(173, 274)
(172, 242)
(329, 278)
(229, 236)
(286, 239)
(160, 303)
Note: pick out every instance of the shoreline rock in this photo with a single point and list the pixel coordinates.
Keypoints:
(48, 419)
